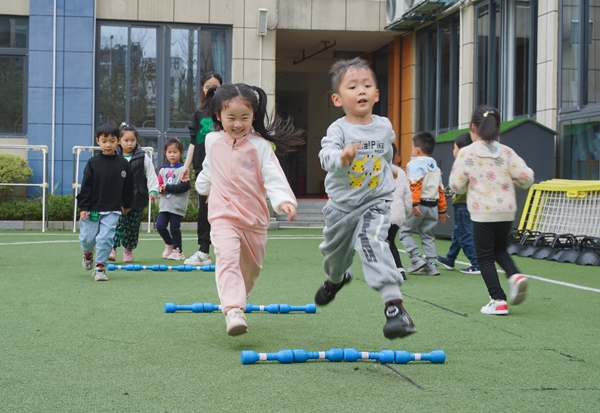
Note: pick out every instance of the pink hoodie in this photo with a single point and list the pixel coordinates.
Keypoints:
(239, 175)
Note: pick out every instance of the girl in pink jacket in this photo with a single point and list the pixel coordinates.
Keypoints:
(239, 172)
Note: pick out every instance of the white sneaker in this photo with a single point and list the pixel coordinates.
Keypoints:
(199, 258)
(517, 286)
(236, 322)
(99, 274)
(495, 307)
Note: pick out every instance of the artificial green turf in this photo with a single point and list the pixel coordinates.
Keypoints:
(69, 344)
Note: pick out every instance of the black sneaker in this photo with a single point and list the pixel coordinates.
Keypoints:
(326, 293)
(398, 323)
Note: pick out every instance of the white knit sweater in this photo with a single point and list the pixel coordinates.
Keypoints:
(488, 172)
(401, 206)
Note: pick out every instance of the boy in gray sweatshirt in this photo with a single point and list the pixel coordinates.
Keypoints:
(357, 155)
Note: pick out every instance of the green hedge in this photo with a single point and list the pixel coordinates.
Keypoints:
(60, 208)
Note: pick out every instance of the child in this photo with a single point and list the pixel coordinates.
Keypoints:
(428, 205)
(357, 155)
(462, 235)
(487, 172)
(106, 192)
(400, 208)
(201, 125)
(240, 170)
(145, 186)
(174, 200)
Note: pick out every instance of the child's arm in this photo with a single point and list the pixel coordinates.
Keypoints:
(406, 194)
(521, 174)
(459, 178)
(151, 178)
(203, 182)
(278, 189)
(194, 126)
(179, 188)
(83, 198)
(442, 206)
(335, 153)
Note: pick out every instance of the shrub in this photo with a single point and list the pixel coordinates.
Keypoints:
(14, 170)
(60, 208)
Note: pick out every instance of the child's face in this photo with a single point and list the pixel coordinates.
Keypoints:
(107, 144)
(213, 81)
(128, 142)
(357, 94)
(236, 118)
(173, 154)
(455, 151)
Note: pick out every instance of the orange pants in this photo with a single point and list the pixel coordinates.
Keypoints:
(239, 254)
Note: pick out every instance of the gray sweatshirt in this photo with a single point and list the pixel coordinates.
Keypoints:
(369, 176)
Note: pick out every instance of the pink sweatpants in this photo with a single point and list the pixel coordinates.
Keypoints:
(239, 255)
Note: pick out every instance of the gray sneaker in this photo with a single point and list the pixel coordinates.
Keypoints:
(99, 274)
(87, 263)
(430, 269)
(416, 263)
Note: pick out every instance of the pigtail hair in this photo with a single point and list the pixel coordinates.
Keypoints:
(281, 131)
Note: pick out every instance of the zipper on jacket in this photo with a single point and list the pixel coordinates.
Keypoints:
(234, 148)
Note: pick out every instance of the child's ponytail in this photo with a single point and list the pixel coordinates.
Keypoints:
(487, 122)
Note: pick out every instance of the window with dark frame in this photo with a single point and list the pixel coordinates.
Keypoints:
(13, 75)
(438, 66)
(506, 56)
(148, 75)
(579, 91)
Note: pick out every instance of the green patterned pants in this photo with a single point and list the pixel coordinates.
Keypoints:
(128, 229)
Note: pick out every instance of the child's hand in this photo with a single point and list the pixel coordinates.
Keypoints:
(442, 218)
(349, 153)
(161, 189)
(152, 196)
(289, 209)
(84, 215)
(417, 211)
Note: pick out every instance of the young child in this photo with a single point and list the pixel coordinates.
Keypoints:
(428, 205)
(106, 193)
(145, 186)
(174, 199)
(487, 172)
(240, 170)
(202, 124)
(462, 234)
(357, 155)
(400, 208)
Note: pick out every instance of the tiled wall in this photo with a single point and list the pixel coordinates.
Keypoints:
(74, 82)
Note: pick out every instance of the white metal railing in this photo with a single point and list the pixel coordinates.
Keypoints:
(76, 185)
(44, 183)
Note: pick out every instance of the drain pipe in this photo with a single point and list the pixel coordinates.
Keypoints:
(53, 134)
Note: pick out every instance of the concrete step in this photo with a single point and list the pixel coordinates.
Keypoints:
(309, 214)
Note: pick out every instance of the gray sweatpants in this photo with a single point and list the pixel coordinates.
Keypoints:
(424, 225)
(363, 230)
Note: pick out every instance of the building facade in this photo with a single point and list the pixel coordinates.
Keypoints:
(66, 65)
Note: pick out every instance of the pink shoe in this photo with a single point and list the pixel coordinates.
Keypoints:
(127, 256)
(176, 255)
(167, 251)
(113, 255)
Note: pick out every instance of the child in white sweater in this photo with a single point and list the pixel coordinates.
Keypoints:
(400, 208)
(487, 172)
